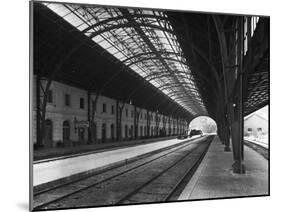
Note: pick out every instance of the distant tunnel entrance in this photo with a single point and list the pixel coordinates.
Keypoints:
(203, 123)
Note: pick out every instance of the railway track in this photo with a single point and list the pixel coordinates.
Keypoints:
(151, 179)
(258, 148)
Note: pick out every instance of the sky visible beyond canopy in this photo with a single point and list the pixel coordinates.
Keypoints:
(263, 112)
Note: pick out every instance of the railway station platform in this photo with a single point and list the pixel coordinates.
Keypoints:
(47, 154)
(261, 143)
(48, 171)
(215, 179)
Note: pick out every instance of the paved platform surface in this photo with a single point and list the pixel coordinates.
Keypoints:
(215, 179)
(54, 153)
(53, 170)
(263, 144)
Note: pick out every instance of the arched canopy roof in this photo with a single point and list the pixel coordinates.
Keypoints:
(143, 40)
(161, 60)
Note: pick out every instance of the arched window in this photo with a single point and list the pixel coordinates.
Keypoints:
(103, 132)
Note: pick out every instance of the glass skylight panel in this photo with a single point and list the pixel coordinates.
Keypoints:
(147, 12)
(89, 18)
(71, 18)
(113, 51)
(125, 44)
(153, 82)
(60, 9)
(82, 27)
(119, 55)
(104, 43)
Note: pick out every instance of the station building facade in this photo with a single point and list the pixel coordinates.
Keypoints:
(255, 125)
(67, 118)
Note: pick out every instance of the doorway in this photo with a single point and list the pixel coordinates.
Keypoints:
(94, 132)
(48, 141)
(103, 139)
(112, 131)
(66, 132)
(81, 135)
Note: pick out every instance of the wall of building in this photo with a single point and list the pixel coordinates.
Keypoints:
(58, 113)
(255, 125)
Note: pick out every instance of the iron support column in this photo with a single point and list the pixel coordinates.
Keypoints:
(89, 118)
(117, 121)
(238, 166)
(147, 125)
(135, 122)
(226, 134)
(38, 116)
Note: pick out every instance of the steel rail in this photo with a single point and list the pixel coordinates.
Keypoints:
(174, 149)
(128, 196)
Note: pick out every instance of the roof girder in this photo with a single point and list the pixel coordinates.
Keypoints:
(108, 25)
